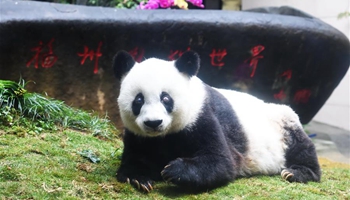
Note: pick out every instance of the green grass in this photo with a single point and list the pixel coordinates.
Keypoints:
(48, 166)
(19, 108)
(41, 158)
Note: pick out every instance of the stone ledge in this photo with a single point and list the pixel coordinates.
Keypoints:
(67, 50)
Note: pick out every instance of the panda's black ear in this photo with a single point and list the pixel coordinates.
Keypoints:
(122, 63)
(188, 63)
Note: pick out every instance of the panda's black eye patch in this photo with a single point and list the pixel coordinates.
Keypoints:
(137, 104)
(167, 101)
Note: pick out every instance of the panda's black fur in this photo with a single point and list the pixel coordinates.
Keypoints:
(209, 153)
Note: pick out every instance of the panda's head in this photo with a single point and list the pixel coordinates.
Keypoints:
(158, 97)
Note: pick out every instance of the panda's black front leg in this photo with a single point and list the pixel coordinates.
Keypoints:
(137, 177)
(138, 166)
(200, 173)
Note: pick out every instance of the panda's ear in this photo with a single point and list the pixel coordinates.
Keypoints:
(188, 63)
(122, 63)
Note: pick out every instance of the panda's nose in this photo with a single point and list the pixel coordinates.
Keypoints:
(153, 124)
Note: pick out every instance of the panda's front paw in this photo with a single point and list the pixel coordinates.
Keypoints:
(287, 175)
(176, 172)
(142, 183)
(139, 182)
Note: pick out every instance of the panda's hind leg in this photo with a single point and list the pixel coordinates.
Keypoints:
(301, 159)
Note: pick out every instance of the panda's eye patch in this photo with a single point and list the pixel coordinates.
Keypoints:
(139, 99)
(167, 101)
(137, 104)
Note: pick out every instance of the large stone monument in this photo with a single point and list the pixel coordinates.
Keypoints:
(280, 55)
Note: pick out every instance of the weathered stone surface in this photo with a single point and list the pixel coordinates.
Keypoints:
(67, 51)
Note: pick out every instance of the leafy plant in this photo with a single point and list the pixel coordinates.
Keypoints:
(130, 4)
(344, 14)
(18, 107)
(127, 4)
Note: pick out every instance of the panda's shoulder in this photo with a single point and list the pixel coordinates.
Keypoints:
(231, 100)
(217, 107)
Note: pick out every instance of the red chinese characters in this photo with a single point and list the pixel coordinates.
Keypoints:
(280, 96)
(302, 96)
(283, 81)
(217, 56)
(91, 54)
(176, 54)
(287, 74)
(137, 53)
(255, 51)
(46, 60)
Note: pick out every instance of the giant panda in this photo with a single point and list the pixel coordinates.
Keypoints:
(198, 137)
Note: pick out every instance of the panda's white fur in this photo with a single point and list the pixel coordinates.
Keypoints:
(263, 124)
(268, 137)
(188, 92)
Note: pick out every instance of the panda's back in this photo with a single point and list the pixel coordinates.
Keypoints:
(263, 125)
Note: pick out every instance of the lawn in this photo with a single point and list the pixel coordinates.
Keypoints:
(76, 155)
(50, 166)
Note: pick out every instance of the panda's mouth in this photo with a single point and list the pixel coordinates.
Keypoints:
(153, 132)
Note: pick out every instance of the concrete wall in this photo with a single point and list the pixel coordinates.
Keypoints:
(336, 111)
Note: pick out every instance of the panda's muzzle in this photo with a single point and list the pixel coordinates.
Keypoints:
(154, 124)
